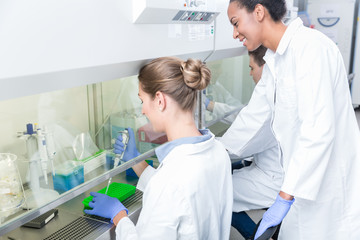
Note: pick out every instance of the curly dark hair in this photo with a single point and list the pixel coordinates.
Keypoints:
(276, 8)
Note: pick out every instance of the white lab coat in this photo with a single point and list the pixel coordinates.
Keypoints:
(304, 90)
(220, 109)
(218, 93)
(224, 103)
(256, 186)
(189, 196)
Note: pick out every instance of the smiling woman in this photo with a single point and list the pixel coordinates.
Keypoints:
(298, 96)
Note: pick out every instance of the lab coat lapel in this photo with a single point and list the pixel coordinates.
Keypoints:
(269, 76)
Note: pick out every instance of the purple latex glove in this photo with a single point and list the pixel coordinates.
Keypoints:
(131, 151)
(207, 101)
(274, 215)
(105, 206)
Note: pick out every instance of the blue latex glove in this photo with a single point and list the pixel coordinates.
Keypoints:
(104, 206)
(274, 215)
(131, 151)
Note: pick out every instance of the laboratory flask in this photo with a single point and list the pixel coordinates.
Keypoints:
(11, 189)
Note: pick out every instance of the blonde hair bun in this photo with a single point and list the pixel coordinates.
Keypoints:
(196, 74)
(176, 78)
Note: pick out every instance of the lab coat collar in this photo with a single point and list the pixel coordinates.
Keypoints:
(288, 35)
(269, 55)
(164, 150)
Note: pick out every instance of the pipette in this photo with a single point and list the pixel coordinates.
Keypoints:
(43, 152)
(50, 147)
(118, 157)
(32, 148)
(125, 140)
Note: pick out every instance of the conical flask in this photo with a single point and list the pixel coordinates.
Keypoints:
(11, 190)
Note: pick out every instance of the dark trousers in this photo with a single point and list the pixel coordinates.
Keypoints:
(243, 223)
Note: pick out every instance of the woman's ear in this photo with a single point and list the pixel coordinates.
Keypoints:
(259, 12)
(160, 100)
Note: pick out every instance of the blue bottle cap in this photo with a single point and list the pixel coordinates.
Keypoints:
(29, 129)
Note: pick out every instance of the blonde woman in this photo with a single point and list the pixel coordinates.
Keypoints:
(189, 196)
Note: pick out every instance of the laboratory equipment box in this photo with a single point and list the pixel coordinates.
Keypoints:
(68, 175)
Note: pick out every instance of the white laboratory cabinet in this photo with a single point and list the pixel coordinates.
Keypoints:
(355, 86)
(336, 20)
(71, 66)
(54, 44)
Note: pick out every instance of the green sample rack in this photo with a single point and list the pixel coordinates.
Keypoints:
(120, 191)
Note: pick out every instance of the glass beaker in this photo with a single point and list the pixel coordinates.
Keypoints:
(11, 190)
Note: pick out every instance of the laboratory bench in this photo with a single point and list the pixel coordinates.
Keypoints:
(71, 222)
(68, 221)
